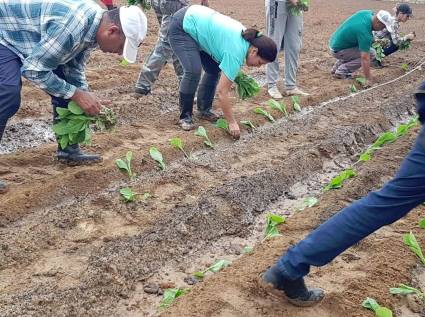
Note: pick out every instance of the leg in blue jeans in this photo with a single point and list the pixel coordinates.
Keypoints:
(208, 84)
(355, 222)
(10, 86)
(390, 49)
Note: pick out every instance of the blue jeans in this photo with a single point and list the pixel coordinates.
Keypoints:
(390, 49)
(353, 223)
(11, 84)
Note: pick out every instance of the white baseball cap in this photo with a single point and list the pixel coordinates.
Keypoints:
(386, 18)
(134, 25)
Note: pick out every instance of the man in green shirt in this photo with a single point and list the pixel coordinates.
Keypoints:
(351, 44)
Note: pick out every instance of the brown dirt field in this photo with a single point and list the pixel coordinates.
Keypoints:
(70, 247)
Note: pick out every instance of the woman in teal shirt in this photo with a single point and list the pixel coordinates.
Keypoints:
(204, 38)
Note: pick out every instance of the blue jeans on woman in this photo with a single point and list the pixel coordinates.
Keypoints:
(353, 223)
(390, 49)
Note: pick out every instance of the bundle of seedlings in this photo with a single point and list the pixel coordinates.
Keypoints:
(73, 126)
(302, 5)
(247, 87)
(145, 4)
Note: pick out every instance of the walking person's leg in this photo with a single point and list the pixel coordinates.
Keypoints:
(188, 53)
(10, 91)
(276, 16)
(352, 224)
(207, 87)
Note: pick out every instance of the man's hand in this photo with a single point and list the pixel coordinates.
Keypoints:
(87, 101)
(410, 36)
(234, 130)
(205, 3)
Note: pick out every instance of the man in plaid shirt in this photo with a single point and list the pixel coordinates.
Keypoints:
(48, 43)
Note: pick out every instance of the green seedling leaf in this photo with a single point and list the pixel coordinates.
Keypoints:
(361, 80)
(178, 144)
(145, 4)
(146, 196)
(338, 180)
(366, 156)
(247, 87)
(405, 67)
(199, 275)
(403, 289)
(170, 295)
(410, 240)
(157, 156)
(302, 5)
(222, 124)
(124, 62)
(125, 165)
(74, 108)
(422, 223)
(203, 133)
(272, 221)
(379, 311)
(379, 51)
(296, 103)
(264, 113)
(248, 250)
(249, 124)
(404, 45)
(353, 88)
(275, 105)
(218, 266)
(310, 201)
(127, 194)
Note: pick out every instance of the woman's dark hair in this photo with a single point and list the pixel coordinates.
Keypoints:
(266, 46)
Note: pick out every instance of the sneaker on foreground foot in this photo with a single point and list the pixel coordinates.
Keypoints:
(186, 124)
(295, 291)
(296, 92)
(275, 93)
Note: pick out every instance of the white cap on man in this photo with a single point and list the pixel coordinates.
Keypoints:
(134, 25)
(386, 18)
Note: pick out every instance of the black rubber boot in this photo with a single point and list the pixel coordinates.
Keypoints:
(73, 155)
(186, 108)
(3, 187)
(205, 97)
(296, 292)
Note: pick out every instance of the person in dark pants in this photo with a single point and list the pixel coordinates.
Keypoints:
(204, 38)
(48, 42)
(352, 224)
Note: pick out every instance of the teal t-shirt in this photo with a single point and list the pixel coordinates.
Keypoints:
(356, 31)
(219, 36)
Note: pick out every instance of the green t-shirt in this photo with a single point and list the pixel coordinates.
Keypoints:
(218, 36)
(356, 31)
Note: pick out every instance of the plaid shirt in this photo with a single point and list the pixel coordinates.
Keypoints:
(394, 36)
(46, 34)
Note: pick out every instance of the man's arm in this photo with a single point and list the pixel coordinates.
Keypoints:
(365, 57)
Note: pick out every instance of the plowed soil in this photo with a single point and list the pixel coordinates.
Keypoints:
(70, 247)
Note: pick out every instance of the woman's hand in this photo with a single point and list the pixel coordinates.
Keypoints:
(234, 130)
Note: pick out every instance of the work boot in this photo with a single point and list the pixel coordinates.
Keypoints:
(296, 292)
(209, 115)
(186, 110)
(275, 93)
(73, 155)
(3, 187)
(141, 92)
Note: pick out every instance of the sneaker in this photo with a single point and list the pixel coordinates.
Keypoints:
(344, 75)
(3, 187)
(208, 116)
(72, 155)
(336, 66)
(295, 291)
(275, 93)
(141, 92)
(186, 124)
(296, 92)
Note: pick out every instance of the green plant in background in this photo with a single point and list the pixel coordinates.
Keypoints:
(247, 86)
(125, 165)
(361, 80)
(272, 221)
(404, 289)
(353, 88)
(178, 144)
(248, 124)
(275, 105)
(73, 126)
(124, 62)
(127, 194)
(302, 5)
(422, 223)
(145, 4)
(409, 239)
(216, 267)
(222, 124)
(296, 103)
(156, 155)
(265, 114)
(203, 133)
(380, 311)
(405, 67)
(170, 294)
(338, 180)
(404, 45)
(379, 56)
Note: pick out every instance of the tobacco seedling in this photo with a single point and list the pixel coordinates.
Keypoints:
(379, 56)
(145, 4)
(178, 144)
(265, 114)
(308, 203)
(247, 86)
(157, 156)
(404, 45)
(296, 103)
(403, 289)
(380, 311)
(124, 62)
(353, 88)
(203, 133)
(272, 221)
(247, 249)
(249, 124)
(405, 67)
(302, 5)
(125, 165)
(338, 180)
(170, 294)
(278, 106)
(361, 80)
(222, 124)
(127, 194)
(422, 223)
(216, 267)
(409, 239)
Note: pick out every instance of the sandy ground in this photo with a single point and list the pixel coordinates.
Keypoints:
(70, 247)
